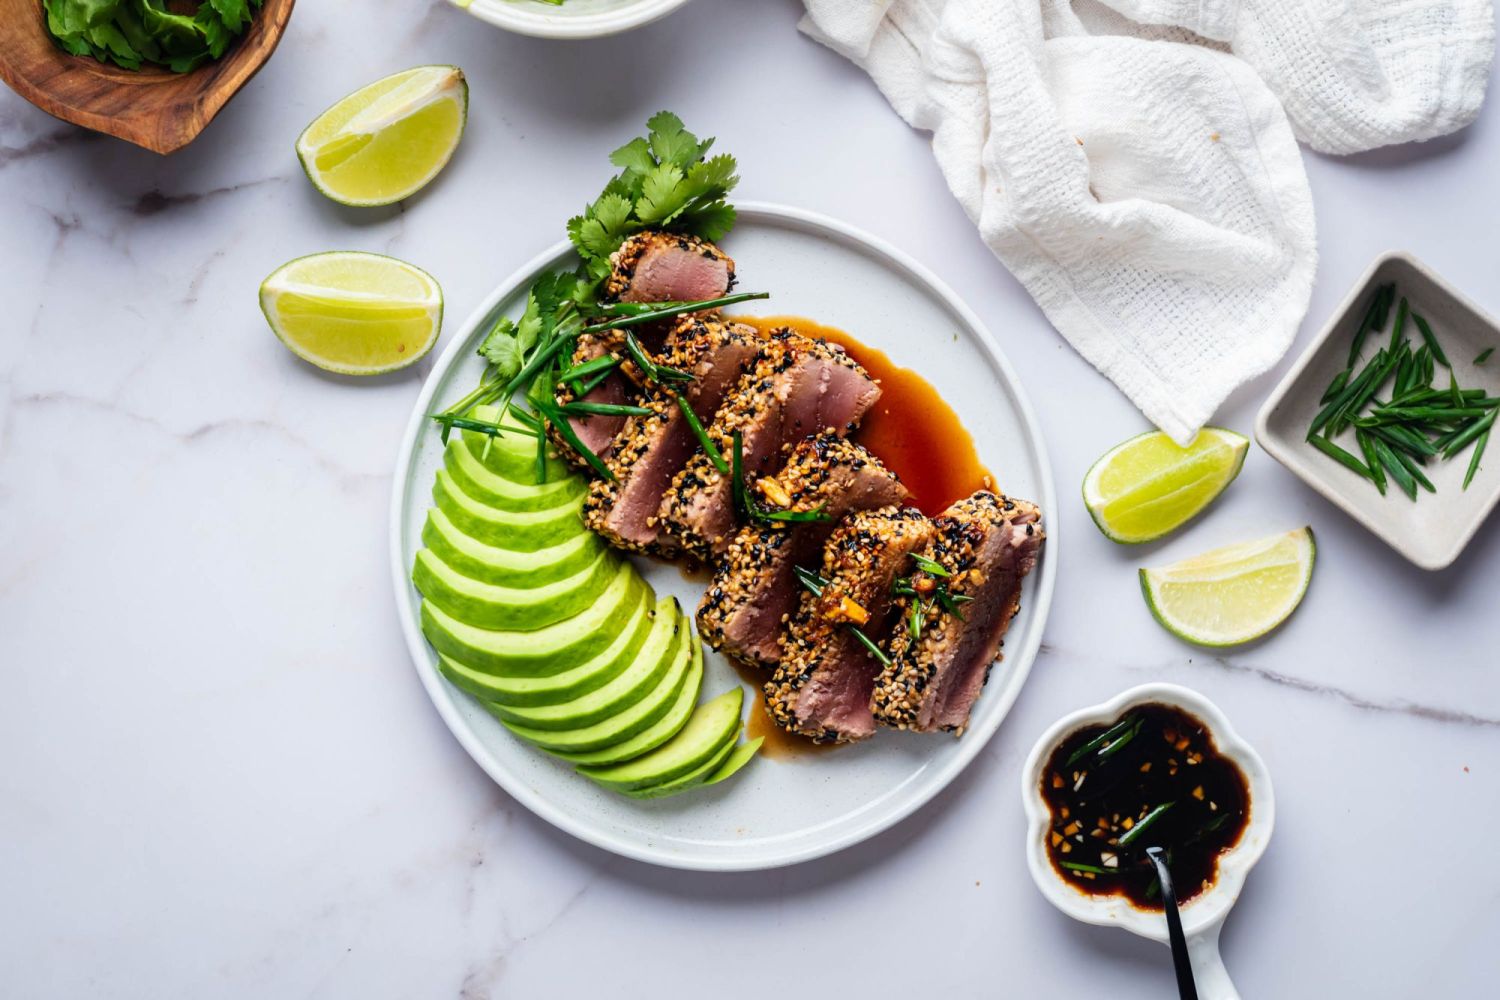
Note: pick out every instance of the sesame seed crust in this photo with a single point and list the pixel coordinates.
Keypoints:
(908, 685)
(861, 559)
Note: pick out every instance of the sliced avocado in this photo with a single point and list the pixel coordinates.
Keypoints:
(736, 760)
(496, 491)
(704, 736)
(569, 684)
(521, 531)
(640, 678)
(512, 455)
(633, 719)
(506, 567)
(488, 606)
(693, 778)
(544, 652)
(660, 731)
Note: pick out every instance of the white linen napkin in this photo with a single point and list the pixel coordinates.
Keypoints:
(1143, 183)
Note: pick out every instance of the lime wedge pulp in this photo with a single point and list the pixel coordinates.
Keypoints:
(1233, 594)
(1150, 486)
(353, 313)
(385, 141)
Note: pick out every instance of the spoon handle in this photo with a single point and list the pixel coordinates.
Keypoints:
(1208, 966)
(1181, 963)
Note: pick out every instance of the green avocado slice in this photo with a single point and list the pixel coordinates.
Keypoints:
(506, 567)
(544, 652)
(693, 778)
(741, 756)
(488, 606)
(569, 684)
(500, 493)
(704, 736)
(512, 455)
(659, 732)
(521, 531)
(640, 678)
(627, 723)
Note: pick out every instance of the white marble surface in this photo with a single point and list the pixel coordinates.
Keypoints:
(221, 777)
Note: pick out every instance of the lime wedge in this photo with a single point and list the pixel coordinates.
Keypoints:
(353, 313)
(384, 142)
(1150, 486)
(1234, 594)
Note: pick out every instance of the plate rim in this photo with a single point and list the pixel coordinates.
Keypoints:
(974, 741)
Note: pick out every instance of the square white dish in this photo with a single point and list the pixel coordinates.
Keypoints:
(1434, 530)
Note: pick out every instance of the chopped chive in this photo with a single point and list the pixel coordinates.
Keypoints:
(1074, 866)
(1337, 385)
(1134, 833)
(704, 441)
(493, 430)
(1484, 355)
(564, 429)
(541, 458)
(1102, 738)
(1372, 461)
(1116, 745)
(869, 644)
(1479, 444)
(603, 409)
(817, 515)
(602, 363)
(1432, 342)
(1473, 431)
(1341, 456)
(636, 317)
(915, 619)
(1396, 469)
(1416, 471)
(1399, 329)
(930, 566)
(593, 383)
(810, 579)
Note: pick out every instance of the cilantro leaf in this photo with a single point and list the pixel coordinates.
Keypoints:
(662, 195)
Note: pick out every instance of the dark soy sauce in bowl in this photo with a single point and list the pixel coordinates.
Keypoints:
(1153, 777)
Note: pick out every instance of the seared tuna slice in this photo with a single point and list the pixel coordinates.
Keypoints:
(823, 685)
(651, 449)
(754, 590)
(798, 386)
(668, 267)
(596, 431)
(988, 544)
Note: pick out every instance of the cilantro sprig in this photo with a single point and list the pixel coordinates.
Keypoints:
(667, 181)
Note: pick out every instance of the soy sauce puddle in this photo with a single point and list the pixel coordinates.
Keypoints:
(1153, 777)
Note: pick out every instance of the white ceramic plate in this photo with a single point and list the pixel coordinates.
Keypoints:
(776, 811)
(573, 19)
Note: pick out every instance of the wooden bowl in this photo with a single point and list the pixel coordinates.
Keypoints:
(151, 107)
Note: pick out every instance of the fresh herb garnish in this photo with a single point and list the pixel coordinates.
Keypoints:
(667, 181)
(1484, 355)
(704, 441)
(1418, 421)
(1112, 733)
(752, 510)
(1074, 866)
(815, 584)
(130, 33)
(1143, 824)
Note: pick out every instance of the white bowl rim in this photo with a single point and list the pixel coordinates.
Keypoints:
(1207, 911)
(544, 22)
(1022, 658)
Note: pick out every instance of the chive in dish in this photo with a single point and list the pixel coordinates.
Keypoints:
(1154, 777)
